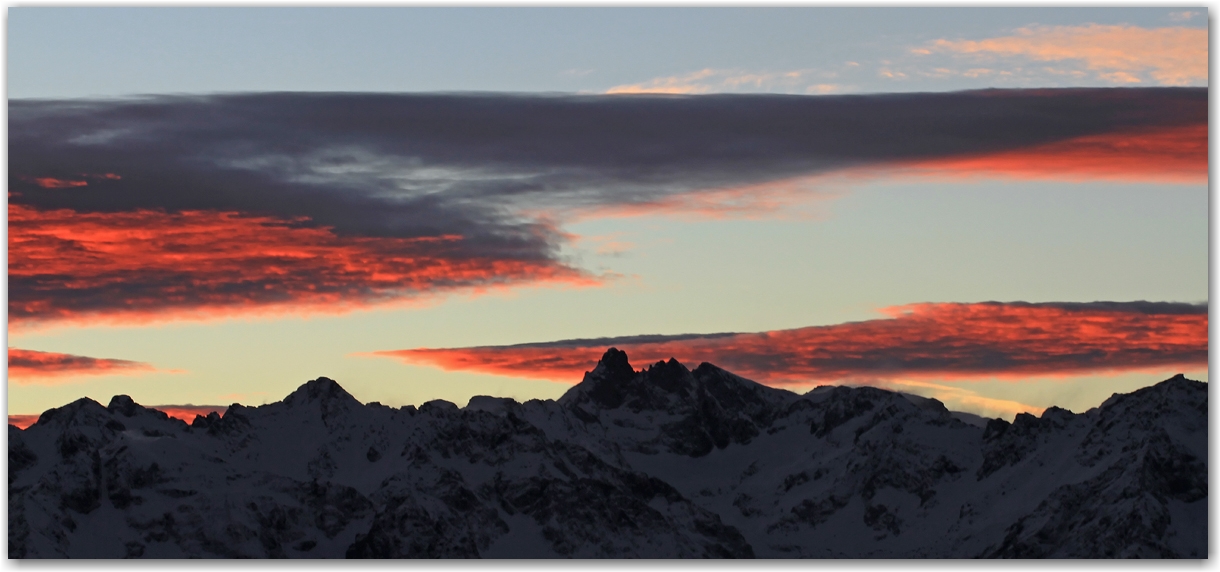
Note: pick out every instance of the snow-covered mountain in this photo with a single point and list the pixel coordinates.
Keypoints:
(660, 463)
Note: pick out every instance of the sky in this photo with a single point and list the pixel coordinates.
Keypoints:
(1004, 209)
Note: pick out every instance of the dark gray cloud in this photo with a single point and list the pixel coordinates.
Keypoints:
(412, 165)
(475, 166)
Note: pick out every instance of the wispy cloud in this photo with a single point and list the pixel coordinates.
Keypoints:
(694, 82)
(34, 367)
(728, 81)
(958, 398)
(823, 88)
(921, 341)
(1119, 54)
(1183, 16)
(336, 202)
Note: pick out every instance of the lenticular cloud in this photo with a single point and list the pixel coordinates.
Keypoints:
(944, 341)
(29, 366)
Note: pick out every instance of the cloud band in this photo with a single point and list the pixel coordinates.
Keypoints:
(941, 341)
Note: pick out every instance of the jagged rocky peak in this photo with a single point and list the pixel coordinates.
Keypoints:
(603, 385)
(613, 383)
(614, 366)
(323, 390)
(126, 407)
(669, 386)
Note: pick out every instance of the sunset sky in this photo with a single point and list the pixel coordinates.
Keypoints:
(1004, 209)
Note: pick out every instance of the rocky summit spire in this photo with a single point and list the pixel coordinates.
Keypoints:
(605, 386)
(614, 365)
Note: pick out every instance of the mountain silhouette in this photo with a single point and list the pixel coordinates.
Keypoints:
(661, 462)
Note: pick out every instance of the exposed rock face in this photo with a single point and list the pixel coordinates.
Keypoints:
(659, 463)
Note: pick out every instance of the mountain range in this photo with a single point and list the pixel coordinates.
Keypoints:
(663, 462)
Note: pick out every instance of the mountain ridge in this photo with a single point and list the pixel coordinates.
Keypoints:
(660, 462)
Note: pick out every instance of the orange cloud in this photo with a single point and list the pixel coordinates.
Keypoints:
(1170, 56)
(29, 366)
(144, 265)
(1173, 154)
(921, 341)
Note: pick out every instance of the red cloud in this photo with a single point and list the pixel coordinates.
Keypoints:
(1175, 154)
(22, 421)
(29, 366)
(145, 265)
(943, 341)
(53, 183)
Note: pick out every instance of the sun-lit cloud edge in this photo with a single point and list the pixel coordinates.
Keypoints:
(1174, 155)
(712, 80)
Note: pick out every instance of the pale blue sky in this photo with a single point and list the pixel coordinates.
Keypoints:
(75, 52)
